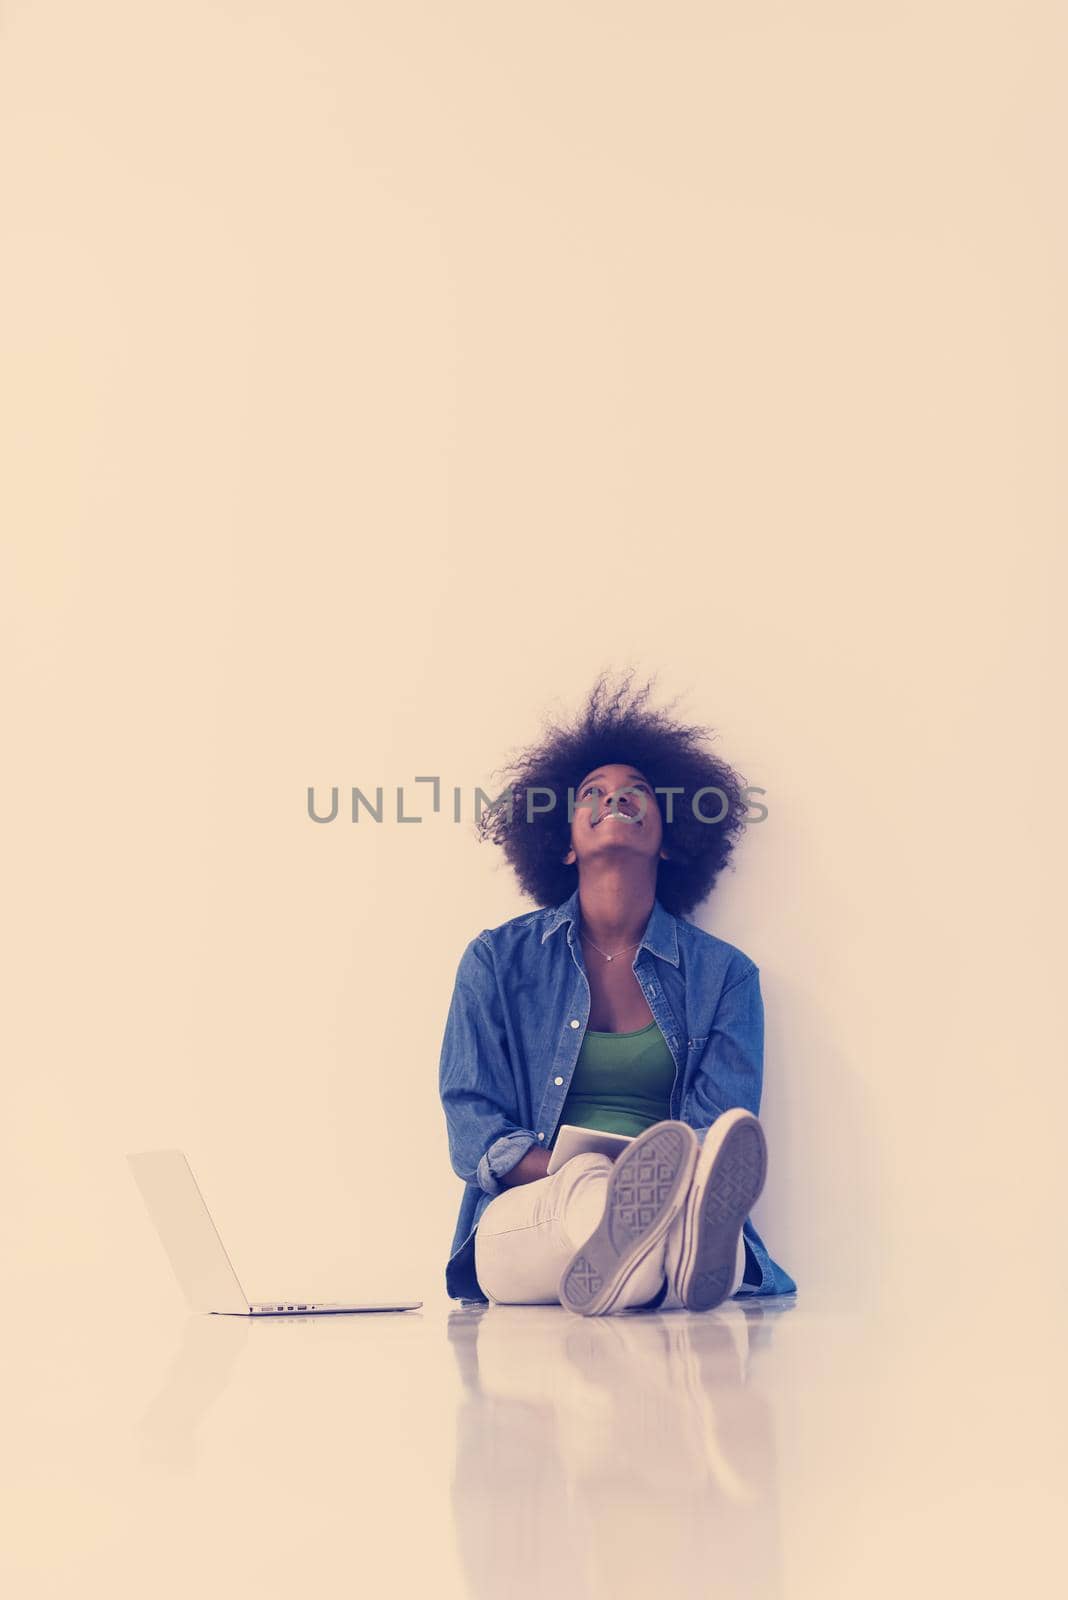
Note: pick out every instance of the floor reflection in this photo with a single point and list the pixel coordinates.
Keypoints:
(209, 1353)
(604, 1453)
(200, 1370)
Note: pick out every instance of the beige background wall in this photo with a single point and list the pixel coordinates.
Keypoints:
(374, 376)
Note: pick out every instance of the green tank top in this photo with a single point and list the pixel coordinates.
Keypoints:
(622, 1081)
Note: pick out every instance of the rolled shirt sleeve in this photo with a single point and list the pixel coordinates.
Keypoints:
(503, 1154)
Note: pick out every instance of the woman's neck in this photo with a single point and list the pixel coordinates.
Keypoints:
(615, 902)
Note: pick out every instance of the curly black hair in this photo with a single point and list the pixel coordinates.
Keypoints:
(616, 725)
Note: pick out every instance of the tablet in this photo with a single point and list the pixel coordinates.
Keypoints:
(572, 1141)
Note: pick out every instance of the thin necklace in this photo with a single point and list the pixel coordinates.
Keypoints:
(615, 953)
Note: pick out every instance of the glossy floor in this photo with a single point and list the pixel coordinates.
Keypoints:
(772, 1449)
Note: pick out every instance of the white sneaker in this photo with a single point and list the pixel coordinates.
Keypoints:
(702, 1249)
(647, 1189)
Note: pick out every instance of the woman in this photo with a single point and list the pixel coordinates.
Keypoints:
(607, 1010)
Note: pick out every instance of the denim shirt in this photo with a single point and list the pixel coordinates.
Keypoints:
(515, 1027)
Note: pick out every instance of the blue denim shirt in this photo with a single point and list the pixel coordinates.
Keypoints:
(515, 1027)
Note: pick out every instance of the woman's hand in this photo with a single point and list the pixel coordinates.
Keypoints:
(528, 1169)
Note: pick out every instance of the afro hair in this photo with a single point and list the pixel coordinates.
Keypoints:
(617, 726)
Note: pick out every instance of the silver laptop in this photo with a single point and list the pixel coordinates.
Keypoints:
(197, 1254)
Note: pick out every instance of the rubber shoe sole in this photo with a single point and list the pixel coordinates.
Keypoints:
(646, 1190)
(728, 1179)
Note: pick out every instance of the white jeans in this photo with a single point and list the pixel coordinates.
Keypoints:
(527, 1235)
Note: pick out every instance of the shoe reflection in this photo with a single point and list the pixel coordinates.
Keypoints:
(607, 1453)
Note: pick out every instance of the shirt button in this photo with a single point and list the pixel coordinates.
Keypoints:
(558, 1081)
(575, 1022)
(541, 1136)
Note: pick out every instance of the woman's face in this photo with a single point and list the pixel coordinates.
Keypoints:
(615, 811)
